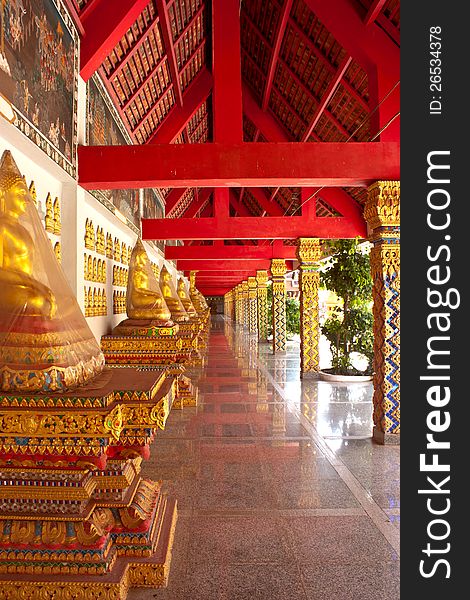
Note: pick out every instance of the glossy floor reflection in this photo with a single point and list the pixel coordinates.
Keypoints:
(281, 492)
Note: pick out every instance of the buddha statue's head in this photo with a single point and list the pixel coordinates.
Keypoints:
(14, 193)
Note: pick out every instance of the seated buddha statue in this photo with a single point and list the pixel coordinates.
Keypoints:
(45, 342)
(185, 299)
(20, 292)
(178, 312)
(144, 297)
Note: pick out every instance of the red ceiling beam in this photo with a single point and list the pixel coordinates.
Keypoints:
(240, 208)
(374, 10)
(327, 95)
(221, 265)
(283, 20)
(105, 22)
(167, 35)
(173, 199)
(229, 253)
(200, 199)
(226, 68)
(269, 206)
(251, 228)
(254, 164)
(343, 203)
(264, 121)
(177, 119)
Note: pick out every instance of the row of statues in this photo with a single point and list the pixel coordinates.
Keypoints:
(34, 295)
(95, 302)
(52, 219)
(94, 269)
(77, 517)
(98, 242)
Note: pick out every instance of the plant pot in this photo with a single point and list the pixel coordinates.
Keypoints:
(322, 376)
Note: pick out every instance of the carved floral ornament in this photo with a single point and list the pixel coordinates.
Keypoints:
(383, 204)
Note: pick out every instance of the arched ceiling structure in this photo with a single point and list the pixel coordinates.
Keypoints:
(260, 120)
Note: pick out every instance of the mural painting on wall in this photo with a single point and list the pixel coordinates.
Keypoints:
(38, 74)
(103, 129)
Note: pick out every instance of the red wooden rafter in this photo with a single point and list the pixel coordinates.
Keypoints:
(104, 23)
(165, 28)
(283, 19)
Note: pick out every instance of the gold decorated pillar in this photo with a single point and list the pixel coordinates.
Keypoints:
(238, 305)
(382, 213)
(262, 293)
(308, 254)
(252, 305)
(278, 272)
(246, 310)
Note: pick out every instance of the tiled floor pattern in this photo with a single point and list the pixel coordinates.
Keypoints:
(281, 492)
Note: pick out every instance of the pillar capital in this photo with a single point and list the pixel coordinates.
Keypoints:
(308, 250)
(251, 282)
(382, 209)
(278, 267)
(244, 286)
(261, 278)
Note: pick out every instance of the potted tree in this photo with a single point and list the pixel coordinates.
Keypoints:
(350, 328)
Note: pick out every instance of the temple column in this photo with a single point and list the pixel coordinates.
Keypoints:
(382, 213)
(262, 293)
(252, 305)
(308, 254)
(238, 305)
(246, 307)
(278, 272)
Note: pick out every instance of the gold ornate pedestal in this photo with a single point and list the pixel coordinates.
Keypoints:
(76, 518)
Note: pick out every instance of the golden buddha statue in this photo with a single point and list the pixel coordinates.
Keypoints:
(45, 342)
(49, 218)
(185, 299)
(144, 297)
(57, 228)
(178, 312)
(19, 291)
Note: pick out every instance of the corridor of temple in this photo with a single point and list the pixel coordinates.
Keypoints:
(281, 491)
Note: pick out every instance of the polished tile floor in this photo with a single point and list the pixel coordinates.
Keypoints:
(281, 492)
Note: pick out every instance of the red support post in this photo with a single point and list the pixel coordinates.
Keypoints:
(226, 67)
(254, 164)
(105, 22)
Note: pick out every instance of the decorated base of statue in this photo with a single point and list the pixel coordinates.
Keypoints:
(140, 342)
(187, 393)
(76, 517)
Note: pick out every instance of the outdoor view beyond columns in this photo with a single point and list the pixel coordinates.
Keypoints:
(382, 213)
(309, 253)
